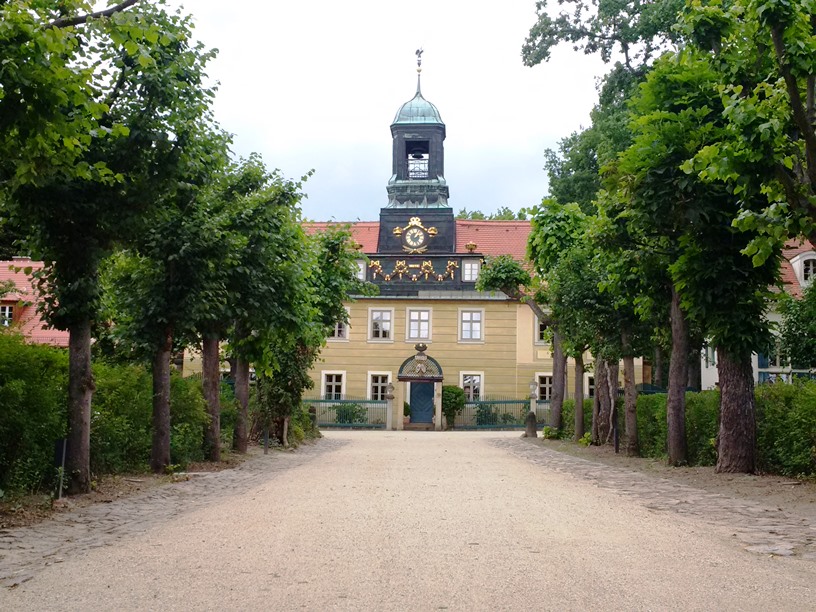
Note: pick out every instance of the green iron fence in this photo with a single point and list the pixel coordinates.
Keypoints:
(493, 413)
(349, 412)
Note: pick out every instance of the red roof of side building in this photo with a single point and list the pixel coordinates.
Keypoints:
(24, 301)
(493, 237)
(790, 281)
(490, 237)
(365, 233)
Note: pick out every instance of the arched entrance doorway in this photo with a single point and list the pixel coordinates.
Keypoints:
(422, 372)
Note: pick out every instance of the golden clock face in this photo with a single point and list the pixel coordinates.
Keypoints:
(414, 237)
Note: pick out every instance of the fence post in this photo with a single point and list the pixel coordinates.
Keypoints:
(389, 406)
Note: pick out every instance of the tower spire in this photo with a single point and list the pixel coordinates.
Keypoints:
(419, 69)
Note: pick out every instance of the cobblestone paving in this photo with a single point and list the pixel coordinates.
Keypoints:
(26, 550)
(760, 529)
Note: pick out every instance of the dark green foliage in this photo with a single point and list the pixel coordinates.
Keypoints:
(701, 426)
(798, 331)
(33, 383)
(121, 419)
(33, 392)
(351, 414)
(568, 416)
(786, 428)
(453, 403)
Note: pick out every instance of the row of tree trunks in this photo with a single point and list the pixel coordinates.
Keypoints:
(630, 406)
(211, 382)
(559, 382)
(612, 372)
(678, 377)
(160, 451)
(80, 392)
(600, 433)
(241, 438)
(736, 441)
(579, 397)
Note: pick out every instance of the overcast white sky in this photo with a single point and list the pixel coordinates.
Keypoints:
(316, 84)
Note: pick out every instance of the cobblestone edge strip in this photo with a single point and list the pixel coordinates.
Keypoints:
(760, 529)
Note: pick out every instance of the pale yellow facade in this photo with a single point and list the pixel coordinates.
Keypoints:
(507, 357)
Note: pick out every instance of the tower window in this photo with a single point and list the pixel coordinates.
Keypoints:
(416, 154)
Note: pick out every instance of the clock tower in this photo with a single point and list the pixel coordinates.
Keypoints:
(417, 218)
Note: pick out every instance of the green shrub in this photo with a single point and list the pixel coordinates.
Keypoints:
(651, 422)
(350, 414)
(453, 403)
(786, 428)
(33, 383)
(188, 417)
(121, 415)
(229, 414)
(486, 415)
(568, 417)
(702, 423)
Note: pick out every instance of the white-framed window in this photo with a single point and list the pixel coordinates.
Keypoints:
(6, 315)
(361, 269)
(589, 385)
(378, 385)
(710, 356)
(470, 270)
(471, 383)
(341, 331)
(471, 325)
(808, 270)
(332, 384)
(418, 324)
(545, 385)
(541, 331)
(381, 324)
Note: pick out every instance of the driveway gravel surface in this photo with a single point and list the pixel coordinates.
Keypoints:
(415, 521)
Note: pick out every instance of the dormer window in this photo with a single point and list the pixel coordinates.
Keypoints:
(804, 266)
(6, 315)
(808, 270)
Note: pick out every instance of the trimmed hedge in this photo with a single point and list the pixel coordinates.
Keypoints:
(33, 416)
(568, 417)
(33, 413)
(786, 427)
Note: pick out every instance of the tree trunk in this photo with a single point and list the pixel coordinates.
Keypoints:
(612, 370)
(160, 452)
(678, 377)
(211, 379)
(579, 397)
(657, 371)
(285, 432)
(736, 441)
(241, 439)
(559, 382)
(630, 401)
(80, 392)
(602, 395)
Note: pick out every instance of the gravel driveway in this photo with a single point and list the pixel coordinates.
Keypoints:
(414, 521)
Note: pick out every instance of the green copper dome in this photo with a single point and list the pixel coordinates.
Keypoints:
(418, 110)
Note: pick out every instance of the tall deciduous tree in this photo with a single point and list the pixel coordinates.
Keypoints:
(677, 113)
(100, 142)
(762, 54)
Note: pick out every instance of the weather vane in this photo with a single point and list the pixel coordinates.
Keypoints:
(419, 59)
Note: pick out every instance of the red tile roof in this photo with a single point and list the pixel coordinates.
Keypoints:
(490, 237)
(365, 233)
(494, 237)
(24, 300)
(789, 279)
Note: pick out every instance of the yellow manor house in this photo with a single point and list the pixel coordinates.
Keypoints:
(429, 326)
